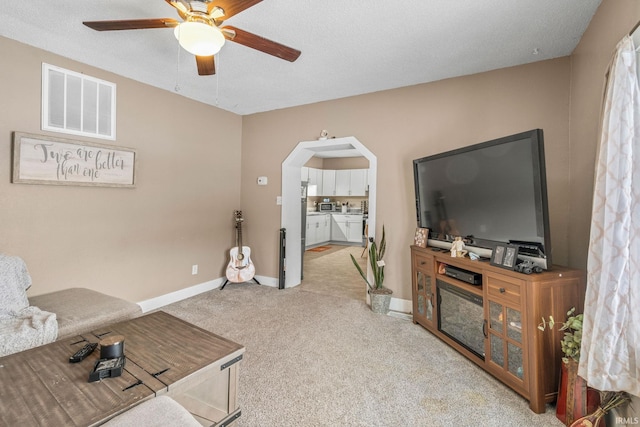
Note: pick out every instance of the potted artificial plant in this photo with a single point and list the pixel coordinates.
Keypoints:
(575, 398)
(380, 296)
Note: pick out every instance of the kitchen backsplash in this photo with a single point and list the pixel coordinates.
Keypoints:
(352, 202)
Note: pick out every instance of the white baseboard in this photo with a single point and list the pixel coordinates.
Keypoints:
(162, 300)
(400, 305)
(397, 304)
(268, 281)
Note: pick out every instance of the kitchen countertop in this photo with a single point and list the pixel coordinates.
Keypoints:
(334, 213)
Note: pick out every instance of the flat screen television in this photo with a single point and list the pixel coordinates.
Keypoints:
(490, 193)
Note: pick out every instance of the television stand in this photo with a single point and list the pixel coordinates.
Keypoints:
(511, 346)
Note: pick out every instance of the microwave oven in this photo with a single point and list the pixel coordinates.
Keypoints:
(326, 207)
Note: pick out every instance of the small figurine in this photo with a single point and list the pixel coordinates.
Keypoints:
(457, 248)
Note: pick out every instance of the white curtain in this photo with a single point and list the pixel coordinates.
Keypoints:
(610, 353)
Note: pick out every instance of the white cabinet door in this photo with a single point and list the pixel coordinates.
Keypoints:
(328, 182)
(315, 178)
(304, 174)
(354, 230)
(339, 228)
(343, 180)
(358, 182)
(324, 234)
(313, 224)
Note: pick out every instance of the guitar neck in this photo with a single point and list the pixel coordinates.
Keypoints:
(239, 237)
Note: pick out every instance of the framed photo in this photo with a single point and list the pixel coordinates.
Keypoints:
(505, 256)
(39, 159)
(420, 238)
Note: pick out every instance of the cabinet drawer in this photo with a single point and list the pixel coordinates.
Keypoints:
(504, 288)
(424, 263)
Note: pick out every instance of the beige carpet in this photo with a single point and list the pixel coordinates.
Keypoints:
(314, 359)
(331, 272)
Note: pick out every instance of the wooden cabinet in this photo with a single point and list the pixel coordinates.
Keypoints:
(423, 292)
(505, 353)
(500, 330)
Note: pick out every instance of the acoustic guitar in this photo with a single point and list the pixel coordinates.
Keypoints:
(240, 268)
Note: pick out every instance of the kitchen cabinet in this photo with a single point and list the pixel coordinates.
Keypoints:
(318, 229)
(324, 228)
(346, 228)
(328, 182)
(304, 174)
(345, 182)
(343, 179)
(358, 182)
(511, 305)
(315, 182)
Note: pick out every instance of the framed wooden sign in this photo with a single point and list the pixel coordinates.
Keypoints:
(40, 159)
(420, 238)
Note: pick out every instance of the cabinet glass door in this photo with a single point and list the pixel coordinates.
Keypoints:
(514, 333)
(425, 292)
(505, 338)
(495, 336)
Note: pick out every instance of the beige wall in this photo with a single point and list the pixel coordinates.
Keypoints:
(141, 243)
(590, 60)
(134, 243)
(401, 125)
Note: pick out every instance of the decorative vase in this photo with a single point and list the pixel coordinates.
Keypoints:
(575, 398)
(380, 300)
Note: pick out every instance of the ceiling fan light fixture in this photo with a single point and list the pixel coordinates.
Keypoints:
(199, 38)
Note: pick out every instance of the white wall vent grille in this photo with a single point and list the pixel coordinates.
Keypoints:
(77, 104)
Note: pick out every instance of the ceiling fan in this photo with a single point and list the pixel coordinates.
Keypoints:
(200, 33)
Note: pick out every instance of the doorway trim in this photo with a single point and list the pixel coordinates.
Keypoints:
(291, 218)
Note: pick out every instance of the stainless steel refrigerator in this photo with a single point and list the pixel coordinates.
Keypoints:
(303, 209)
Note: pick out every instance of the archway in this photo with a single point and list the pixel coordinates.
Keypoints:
(291, 219)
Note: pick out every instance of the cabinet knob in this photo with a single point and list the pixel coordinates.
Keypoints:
(423, 262)
(502, 290)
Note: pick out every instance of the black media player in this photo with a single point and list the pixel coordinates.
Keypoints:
(464, 275)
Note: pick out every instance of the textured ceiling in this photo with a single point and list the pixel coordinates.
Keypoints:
(348, 47)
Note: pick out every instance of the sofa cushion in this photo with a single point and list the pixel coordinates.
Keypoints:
(14, 282)
(26, 329)
(81, 310)
(159, 411)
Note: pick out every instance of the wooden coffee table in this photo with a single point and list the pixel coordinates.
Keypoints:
(165, 355)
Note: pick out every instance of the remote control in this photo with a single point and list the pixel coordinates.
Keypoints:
(83, 352)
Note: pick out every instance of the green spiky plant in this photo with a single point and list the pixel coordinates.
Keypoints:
(376, 253)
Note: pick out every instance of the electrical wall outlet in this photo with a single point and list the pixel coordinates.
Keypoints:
(194, 269)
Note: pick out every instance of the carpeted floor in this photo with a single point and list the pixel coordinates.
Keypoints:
(314, 359)
(331, 272)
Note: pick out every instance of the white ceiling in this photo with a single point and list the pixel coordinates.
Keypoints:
(348, 47)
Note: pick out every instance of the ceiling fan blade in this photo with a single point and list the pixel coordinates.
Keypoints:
(260, 43)
(132, 24)
(206, 65)
(181, 5)
(231, 7)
